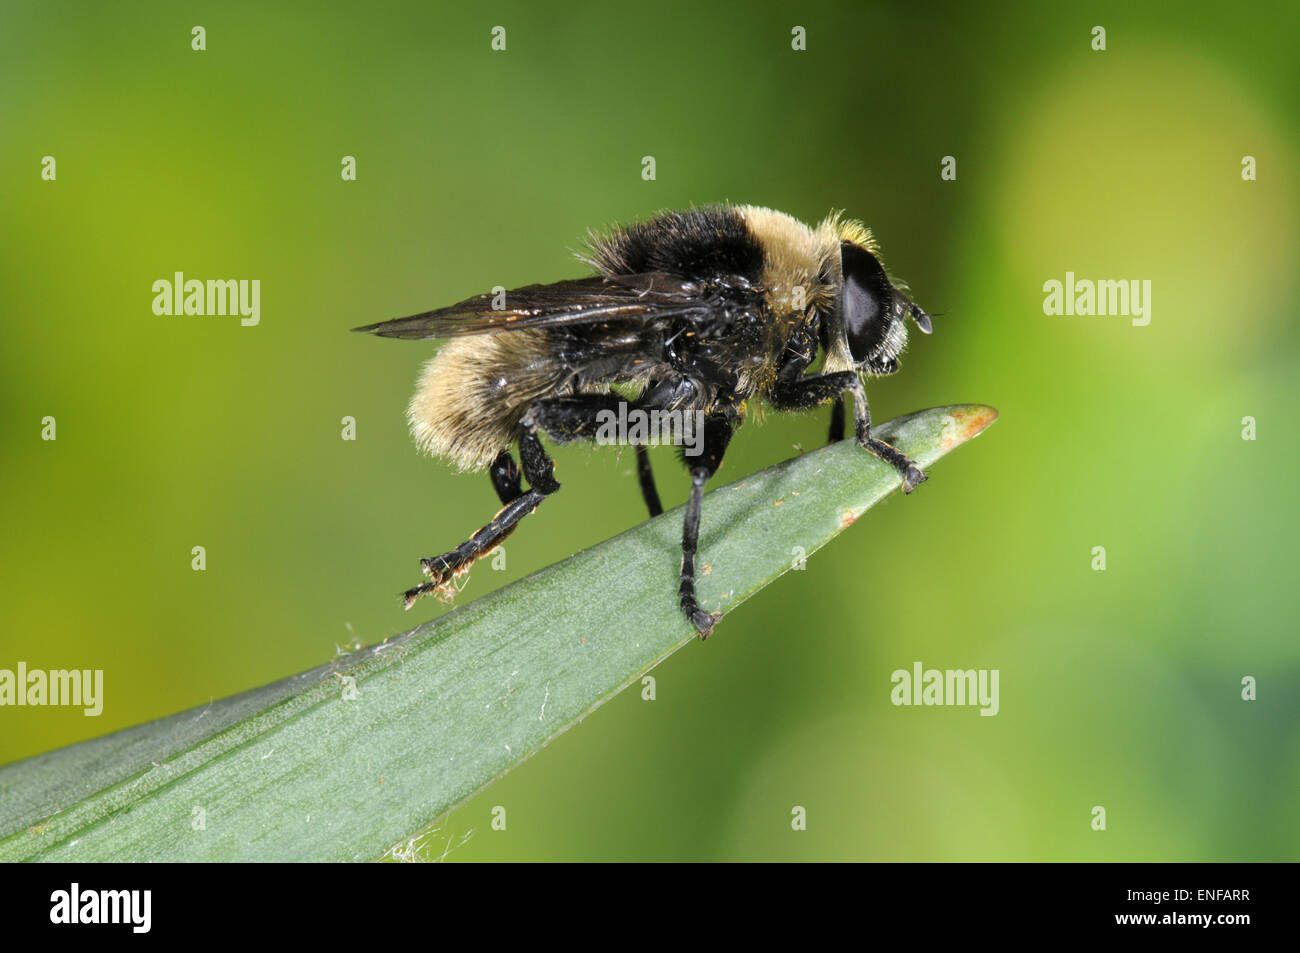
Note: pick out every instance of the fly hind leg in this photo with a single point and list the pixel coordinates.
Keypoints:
(537, 469)
(505, 478)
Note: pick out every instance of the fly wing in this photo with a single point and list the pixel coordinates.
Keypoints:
(644, 297)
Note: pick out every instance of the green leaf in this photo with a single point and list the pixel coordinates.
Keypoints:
(347, 760)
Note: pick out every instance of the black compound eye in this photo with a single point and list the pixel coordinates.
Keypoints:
(866, 300)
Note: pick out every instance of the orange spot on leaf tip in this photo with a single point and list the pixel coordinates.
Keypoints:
(966, 423)
(778, 502)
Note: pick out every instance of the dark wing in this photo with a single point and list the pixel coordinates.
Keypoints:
(643, 297)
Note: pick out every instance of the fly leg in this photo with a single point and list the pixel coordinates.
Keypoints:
(837, 421)
(579, 417)
(575, 418)
(564, 419)
(913, 476)
(445, 569)
(647, 478)
(794, 391)
(717, 434)
(818, 389)
(505, 478)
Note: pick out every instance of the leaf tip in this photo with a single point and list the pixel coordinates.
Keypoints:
(965, 423)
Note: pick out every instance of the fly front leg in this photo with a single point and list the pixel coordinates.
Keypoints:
(819, 388)
(812, 391)
(913, 476)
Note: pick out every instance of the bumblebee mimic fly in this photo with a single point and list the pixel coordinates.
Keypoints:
(698, 311)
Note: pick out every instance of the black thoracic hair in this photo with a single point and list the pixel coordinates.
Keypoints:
(699, 243)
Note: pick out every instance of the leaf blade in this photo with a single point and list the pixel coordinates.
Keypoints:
(303, 769)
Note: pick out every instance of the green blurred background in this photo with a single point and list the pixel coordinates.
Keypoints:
(1118, 688)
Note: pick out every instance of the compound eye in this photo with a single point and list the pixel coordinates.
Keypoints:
(866, 300)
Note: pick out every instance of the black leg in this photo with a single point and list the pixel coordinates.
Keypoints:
(505, 478)
(445, 569)
(717, 434)
(912, 475)
(574, 418)
(811, 391)
(837, 420)
(647, 478)
(577, 417)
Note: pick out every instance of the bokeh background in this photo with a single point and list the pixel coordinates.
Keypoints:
(1118, 688)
